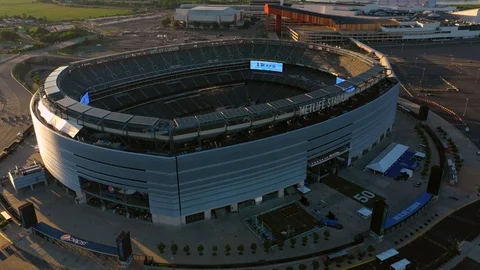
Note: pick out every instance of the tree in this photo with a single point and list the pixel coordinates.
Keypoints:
(174, 248)
(166, 21)
(293, 241)
(370, 249)
(227, 249)
(226, 25)
(196, 24)
(266, 246)
(302, 267)
(161, 247)
(316, 236)
(253, 247)
(253, 19)
(214, 250)
(176, 24)
(240, 249)
(200, 249)
(326, 233)
(280, 244)
(315, 265)
(215, 26)
(186, 249)
(351, 257)
(304, 240)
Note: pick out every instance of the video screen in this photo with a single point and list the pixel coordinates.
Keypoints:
(266, 66)
(339, 80)
(85, 99)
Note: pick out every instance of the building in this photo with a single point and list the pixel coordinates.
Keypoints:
(308, 26)
(27, 176)
(180, 159)
(407, 3)
(207, 14)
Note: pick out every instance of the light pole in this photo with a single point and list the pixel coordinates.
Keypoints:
(420, 84)
(465, 110)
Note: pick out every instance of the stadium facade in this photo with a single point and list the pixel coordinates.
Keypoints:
(180, 168)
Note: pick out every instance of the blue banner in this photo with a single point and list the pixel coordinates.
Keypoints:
(78, 242)
(411, 209)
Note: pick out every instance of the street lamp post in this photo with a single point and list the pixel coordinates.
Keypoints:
(465, 110)
(420, 84)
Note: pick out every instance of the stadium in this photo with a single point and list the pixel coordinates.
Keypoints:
(177, 134)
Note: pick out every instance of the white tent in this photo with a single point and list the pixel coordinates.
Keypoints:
(303, 189)
(420, 155)
(407, 171)
(387, 158)
(400, 265)
(364, 212)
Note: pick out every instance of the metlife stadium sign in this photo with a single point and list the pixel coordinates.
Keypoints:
(324, 103)
(266, 66)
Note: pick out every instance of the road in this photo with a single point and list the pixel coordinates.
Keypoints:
(14, 98)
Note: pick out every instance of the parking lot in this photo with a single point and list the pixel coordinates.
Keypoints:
(451, 75)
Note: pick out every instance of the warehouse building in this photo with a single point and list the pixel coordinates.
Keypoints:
(208, 14)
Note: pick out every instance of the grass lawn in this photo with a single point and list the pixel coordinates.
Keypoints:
(291, 216)
(353, 191)
(55, 12)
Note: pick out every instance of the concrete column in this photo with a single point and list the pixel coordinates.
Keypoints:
(278, 25)
(208, 214)
(281, 193)
(378, 140)
(31, 187)
(258, 200)
(349, 161)
(370, 147)
(234, 207)
(103, 207)
(46, 182)
(128, 215)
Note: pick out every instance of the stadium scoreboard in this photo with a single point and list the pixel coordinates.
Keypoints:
(266, 66)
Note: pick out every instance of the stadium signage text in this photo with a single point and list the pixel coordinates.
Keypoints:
(164, 49)
(408, 211)
(69, 238)
(324, 103)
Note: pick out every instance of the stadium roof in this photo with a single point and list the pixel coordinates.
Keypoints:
(235, 113)
(66, 102)
(118, 117)
(96, 112)
(259, 109)
(281, 104)
(210, 118)
(79, 107)
(185, 122)
(143, 120)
